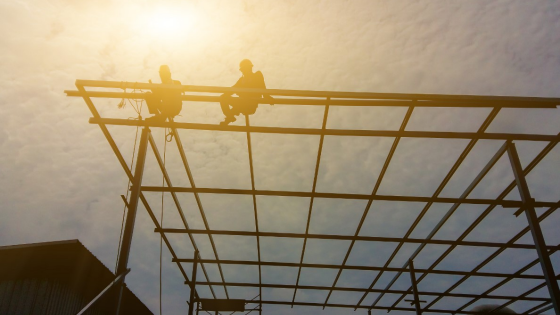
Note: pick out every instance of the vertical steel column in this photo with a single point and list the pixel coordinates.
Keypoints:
(536, 231)
(414, 288)
(132, 207)
(193, 283)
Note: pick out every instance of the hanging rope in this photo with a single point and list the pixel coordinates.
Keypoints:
(137, 105)
(161, 218)
(169, 135)
(138, 109)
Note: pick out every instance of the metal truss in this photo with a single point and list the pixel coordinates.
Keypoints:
(327, 99)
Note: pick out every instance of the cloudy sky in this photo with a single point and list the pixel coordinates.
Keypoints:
(60, 180)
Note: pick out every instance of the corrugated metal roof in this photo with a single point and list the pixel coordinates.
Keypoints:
(57, 278)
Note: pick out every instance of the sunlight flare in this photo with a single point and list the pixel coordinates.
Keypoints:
(167, 23)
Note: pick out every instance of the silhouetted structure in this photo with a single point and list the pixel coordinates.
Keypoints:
(164, 103)
(57, 278)
(247, 102)
(377, 296)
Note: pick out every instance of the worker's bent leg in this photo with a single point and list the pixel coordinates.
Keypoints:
(153, 103)
(225, 100)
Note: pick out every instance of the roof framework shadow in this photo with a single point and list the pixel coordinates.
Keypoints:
(328, 100)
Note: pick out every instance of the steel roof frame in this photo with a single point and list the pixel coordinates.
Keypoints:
(327, 99)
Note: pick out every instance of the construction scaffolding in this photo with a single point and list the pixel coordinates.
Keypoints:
(328, 99)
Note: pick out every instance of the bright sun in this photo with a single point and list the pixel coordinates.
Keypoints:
(164, 22)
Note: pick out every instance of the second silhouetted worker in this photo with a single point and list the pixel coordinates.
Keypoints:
(246, 103)
(164, 103)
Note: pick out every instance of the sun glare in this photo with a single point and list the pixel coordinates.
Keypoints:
(167, 22)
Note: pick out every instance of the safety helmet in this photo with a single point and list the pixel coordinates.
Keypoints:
(164, 68)
(245, 63)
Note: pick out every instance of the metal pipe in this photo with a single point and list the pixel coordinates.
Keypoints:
(132, 208)
(373, 193)
(315, 177)
(329, 132)
(490, 258)
(414, 288)
(536, 231)
(542, 154)
(127, 171)
(193, 283)
(250, 153)
(364, 307)
(487, 122)
(350, 238)
(313, 194)
(175, 199)
(118, 279)
(323, 94)
(200, 208)
(326, 266)
(334, 102)
(542, 310)
(366, 290)
(447, 215)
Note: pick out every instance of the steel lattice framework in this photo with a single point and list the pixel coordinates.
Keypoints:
(326, 99)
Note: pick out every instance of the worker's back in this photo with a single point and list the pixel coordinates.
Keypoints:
(251, 81)
(171, 100)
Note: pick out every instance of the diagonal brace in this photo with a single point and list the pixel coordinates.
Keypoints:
(536, 231)
(118, 279)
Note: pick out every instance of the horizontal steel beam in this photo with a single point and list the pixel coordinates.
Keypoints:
(329, 132)
(324, 94)
(332, 102)
(542, 310)
(404, 309)
(347, 289)
(326, 266)
(349, 238)
(503, 203)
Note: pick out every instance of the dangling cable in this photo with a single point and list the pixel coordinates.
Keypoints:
(169, 135)
(137, 105)
(161, 219)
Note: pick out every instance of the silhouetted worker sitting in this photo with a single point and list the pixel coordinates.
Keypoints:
(246, 103)
(164, 103)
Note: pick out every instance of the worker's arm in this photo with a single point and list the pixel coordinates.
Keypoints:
(267, 97)
(177, 82)
(237, 84)
(156, 92)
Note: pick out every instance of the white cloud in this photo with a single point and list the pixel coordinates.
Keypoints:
(60, 180)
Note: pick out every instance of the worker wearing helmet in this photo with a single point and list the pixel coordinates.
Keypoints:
(247, 102)
(164, 103)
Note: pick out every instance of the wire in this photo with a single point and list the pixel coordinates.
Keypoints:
(137, 105)
(169, 135)
(161, 219)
